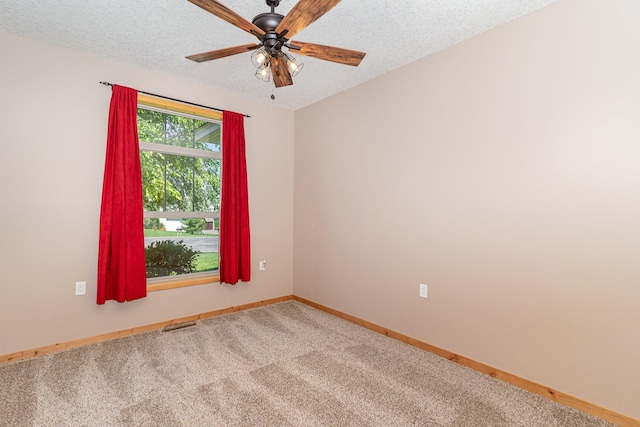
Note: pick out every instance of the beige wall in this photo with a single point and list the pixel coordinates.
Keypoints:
(53, 116)
(503, 172)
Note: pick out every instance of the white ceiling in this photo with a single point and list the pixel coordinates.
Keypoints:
(158, 34)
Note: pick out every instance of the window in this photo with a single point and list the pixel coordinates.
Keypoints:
(180, 157)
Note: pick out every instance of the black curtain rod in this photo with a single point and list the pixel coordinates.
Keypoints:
(177, 100)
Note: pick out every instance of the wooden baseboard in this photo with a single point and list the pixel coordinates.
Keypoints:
(546, 392)
(549, 393)
(137, 330)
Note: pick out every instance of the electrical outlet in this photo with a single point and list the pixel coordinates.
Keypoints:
(423, 290)
(263, 265)
(81, 288)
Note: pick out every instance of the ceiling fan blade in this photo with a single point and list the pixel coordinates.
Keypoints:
(329, 53)
(221, 53)
(280, 73)
(223, 12)
(304, 13)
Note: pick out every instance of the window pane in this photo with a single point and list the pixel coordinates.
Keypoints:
(153, 180)
(175, 247)
(207, 185)
(150, 126)
(179, 184)
(164, 128)
(207, 136)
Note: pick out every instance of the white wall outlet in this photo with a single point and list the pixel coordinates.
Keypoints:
(423, 290)
(263, 265)
(81, 288)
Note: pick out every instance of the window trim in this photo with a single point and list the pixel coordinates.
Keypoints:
(162, 284)
(164, 105)
(178, 151)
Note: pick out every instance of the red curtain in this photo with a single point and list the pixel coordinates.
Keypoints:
(235, 254)
(121, 257)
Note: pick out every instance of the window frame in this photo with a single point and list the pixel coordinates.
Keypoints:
(172, 107)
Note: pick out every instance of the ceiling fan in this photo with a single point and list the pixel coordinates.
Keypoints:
(274, 31)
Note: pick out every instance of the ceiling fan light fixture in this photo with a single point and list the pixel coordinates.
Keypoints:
(264, 73)
(293, 65)
(260, 57)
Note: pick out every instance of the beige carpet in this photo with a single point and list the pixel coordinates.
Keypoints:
(285, 364)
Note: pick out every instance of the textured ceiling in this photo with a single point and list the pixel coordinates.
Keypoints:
(158, 34)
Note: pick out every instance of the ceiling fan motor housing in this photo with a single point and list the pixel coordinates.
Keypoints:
(268, 22)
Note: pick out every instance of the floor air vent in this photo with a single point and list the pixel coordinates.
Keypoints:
(177, 326)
